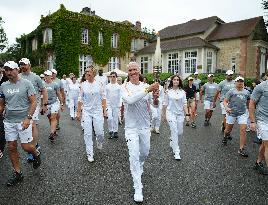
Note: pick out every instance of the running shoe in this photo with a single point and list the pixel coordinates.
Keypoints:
(193, 125)
(15, 178)
(99, 145)
(206, 123)
(243, 152)
(52, 137)
(187, 123)
(30, 157)
(260, 168)
(157, 130)
(222, 126)
(90, 158)
(37, 161)
(138, 197)
(111, 135)
(1, 154)
(224, 141)
(177, 156)
(115, 134)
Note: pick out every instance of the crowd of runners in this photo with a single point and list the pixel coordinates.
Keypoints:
(139, 106)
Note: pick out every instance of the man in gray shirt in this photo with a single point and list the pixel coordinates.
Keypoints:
(26, 73)
(235, 104)
(258, 114)
(17, 98)
(209, 89)
(223, 88)
(61, 87)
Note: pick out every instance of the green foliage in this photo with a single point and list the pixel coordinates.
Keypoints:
(163, 76)
(12, 53)
(66, 32)
(38, 70)
(3, 37)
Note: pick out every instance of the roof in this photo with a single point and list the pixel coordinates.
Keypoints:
(167, 46)
(234, 29)
(189, 28)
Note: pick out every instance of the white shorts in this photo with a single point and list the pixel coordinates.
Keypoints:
(197, 96)
(223, 111)
(241, 120)
(53, 108)
(13, 132)
(208, 105)
(262, 130)
(36, 113)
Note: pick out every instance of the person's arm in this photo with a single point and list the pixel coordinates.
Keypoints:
(2, 105)
(134, 97)
(201, 93)
(59, 95)
(44, 99)
(251, 109)
(225, 103)
(26, 122)
(80, 103)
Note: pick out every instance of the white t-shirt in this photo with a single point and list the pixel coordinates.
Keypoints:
(74, 89)
(137, 105)
(113, 95)
(102, 79)
(91, 95)
(175, 100)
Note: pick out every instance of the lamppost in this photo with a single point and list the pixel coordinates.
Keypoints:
(157, 62)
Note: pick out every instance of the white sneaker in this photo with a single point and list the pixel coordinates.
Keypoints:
(90, 158)
(99, 145)
(138, 197)
(177, 156)
(157, 130)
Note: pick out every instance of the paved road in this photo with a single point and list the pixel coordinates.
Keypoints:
(207, 174)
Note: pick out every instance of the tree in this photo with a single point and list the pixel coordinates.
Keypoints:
(3, 37)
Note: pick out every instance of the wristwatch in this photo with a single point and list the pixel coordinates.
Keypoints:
(29, 117)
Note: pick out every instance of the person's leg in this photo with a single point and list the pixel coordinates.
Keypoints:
(88, 135)
(98, 122)
(53, 122)
(115, 121)
(110, 122)
(71, 106)
(193, 116)
(179, 121)
(144, 146)
(229, 126)
(171, 119)
(158, 120)
(14, 155)
(243, 139)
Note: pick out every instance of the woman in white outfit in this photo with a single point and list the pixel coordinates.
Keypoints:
(92, 97)
(113, 98)
(73, 93)
(137, 124)
(174, 109)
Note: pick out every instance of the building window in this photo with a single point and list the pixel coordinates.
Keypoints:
(84, 62)
(100, 39)
(50, 62)
(144, 64)
(145, 43)
(113, 63)
(233, 64)
(114, 40)
(34, 44)
(190, 61)
(173, 63)
(134, 44)
(209, 62)
(84, 36)
(47, 37)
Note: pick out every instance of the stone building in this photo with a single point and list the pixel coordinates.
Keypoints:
(210, 45)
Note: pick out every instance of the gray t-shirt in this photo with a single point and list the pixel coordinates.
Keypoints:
(59, 83)
(224, 86)
(37, 83)
(237, 101)
(196, 83)
(210, 90)
(51, 92)
(17, 101)
(260, 96)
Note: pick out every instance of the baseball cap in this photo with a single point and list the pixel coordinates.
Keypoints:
(210, 75)
(196, 73)
(11, 64)
(229, 72)
(54, 71)
(25, 61)
(190, 78)
(239, 78)
(48, 72)
(42, 75)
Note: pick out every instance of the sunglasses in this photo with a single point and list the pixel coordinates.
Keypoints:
(113, 76)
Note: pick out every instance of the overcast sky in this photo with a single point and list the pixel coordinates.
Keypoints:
(22, 16)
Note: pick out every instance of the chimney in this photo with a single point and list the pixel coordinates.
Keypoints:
(88, 11)
(138, 25)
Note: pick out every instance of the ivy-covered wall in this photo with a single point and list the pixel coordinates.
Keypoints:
(66, 40)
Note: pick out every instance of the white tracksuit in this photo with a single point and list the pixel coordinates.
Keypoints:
(91, 95)
(175, 100)
(113, 99)
(73, 93)
(137, 127)
(156, 110)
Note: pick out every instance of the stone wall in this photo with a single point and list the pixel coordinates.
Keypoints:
(251, 68)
